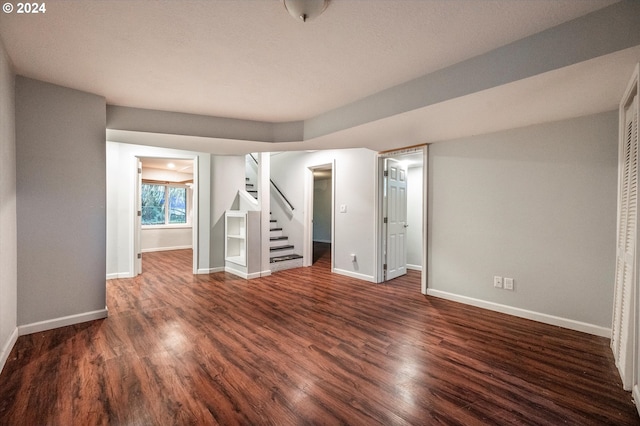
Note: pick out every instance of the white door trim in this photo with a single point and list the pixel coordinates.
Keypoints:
(137, 229)
(307, 249)
(379, 214)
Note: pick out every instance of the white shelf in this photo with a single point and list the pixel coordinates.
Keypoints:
(240, 260)
(239, 225)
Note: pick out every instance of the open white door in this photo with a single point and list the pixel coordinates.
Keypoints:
(395, 219)
(138, 230)
(624, 338)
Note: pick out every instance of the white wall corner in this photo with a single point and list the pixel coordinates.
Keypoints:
(524, 313)
(8, 346)
(62, 321)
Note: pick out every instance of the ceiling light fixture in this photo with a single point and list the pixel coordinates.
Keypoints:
(305, 10)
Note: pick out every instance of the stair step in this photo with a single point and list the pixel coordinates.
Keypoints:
(248, 185)
(276, 259)
(278, 238)
(275, 229)
(280, 248)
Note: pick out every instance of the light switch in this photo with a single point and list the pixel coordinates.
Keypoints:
(343, 208)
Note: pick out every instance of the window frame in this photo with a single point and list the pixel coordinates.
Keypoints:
(188, 203)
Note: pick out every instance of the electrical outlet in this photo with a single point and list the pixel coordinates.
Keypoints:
(508, 283)
(497, 282)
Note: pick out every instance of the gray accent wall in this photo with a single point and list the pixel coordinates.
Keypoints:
(8, 237)
(61, 196)
(536, 204)
(322, 197)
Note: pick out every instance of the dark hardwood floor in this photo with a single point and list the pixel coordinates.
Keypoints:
(304, 347)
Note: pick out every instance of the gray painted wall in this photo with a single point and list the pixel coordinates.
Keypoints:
(322, 210)
(60, 155)
(536, 204)
(8, 238)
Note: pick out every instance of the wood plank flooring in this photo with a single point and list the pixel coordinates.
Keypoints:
(304, 346)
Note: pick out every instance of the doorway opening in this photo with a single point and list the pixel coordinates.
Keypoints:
(322, 215)
(402, 214)
(166, 208)
(319, 220)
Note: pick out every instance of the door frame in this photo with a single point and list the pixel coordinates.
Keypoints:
(307, 249)
(379, 211)
(136, 223)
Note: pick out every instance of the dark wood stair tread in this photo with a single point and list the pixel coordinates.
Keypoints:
(284, 258)
(278, 248)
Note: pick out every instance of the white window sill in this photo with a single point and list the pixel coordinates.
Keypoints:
(173, 226)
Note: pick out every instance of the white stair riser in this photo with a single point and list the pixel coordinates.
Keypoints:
(287, 264)
(275, 233)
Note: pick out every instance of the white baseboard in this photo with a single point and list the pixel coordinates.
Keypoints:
(6, 348)
(118, 275)
(523, 313)
(636, 397)
(245, 275)
(414, 267)
(62, 322)
(149, 250)
(210, 270)
(354, 275)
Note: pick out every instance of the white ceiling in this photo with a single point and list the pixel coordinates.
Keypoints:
(251, 60)
(179, 165)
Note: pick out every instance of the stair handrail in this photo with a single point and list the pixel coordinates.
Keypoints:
(275, 186)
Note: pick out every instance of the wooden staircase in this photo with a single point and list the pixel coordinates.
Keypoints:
(282, 254)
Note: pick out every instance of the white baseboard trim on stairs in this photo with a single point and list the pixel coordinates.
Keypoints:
(354, 275)
(62, 321)
(524, 313)
(6, 349)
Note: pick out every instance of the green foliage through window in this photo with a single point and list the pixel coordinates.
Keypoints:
(177, 205)
(154, 204)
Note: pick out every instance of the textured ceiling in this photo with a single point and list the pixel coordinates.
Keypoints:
(249, 59)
